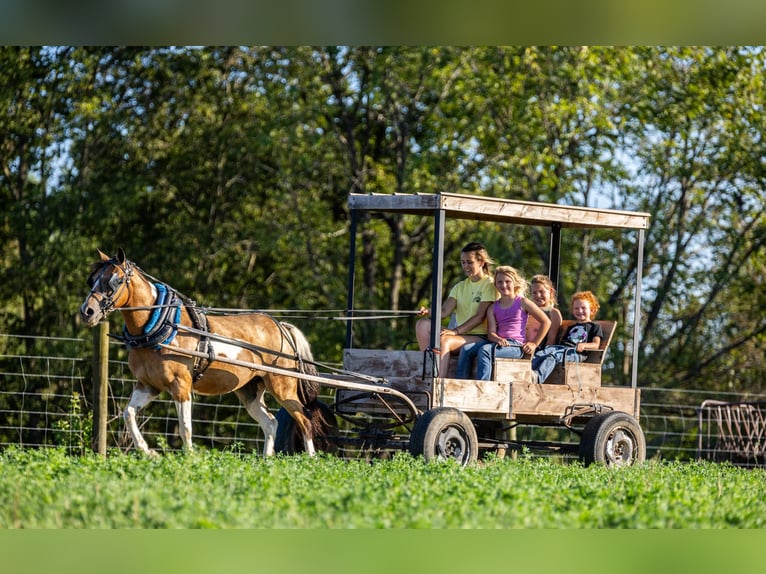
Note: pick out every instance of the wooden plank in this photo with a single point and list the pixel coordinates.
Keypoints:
(553, 400)
(513, 370)
(576, 375)
(463, 206)
(384, 363)
(402, 370)
(472, 396)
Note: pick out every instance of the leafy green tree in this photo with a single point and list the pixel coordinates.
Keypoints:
(224, 171)
(699, 171)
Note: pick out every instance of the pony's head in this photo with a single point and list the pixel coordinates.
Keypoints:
(109, 283)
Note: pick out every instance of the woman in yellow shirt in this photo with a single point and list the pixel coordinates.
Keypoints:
(469, 300)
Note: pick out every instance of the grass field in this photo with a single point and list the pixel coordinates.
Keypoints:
(223, 490)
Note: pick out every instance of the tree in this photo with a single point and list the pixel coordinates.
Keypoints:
(700, 173)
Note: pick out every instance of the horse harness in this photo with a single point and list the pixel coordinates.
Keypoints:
(165, 322)
(163, 325)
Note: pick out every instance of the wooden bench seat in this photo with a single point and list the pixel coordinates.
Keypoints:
(588, 372)
(582, 374)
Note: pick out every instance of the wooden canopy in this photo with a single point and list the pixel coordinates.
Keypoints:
(501, 210)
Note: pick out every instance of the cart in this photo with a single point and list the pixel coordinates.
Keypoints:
(396, 399)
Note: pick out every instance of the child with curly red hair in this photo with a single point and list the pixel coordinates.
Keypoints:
(583, 336)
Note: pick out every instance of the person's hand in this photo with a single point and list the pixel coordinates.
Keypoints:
(423, 311)
(529, 348)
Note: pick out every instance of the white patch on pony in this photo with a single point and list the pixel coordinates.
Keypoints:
(138, 400)
(184, 410)
(309, 446)
(226, 350)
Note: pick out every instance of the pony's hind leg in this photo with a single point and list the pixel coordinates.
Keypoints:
(252, 397)
(295, 408)
(141, 396)
(184, 410)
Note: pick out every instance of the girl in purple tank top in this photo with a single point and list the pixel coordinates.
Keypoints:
(507, 321)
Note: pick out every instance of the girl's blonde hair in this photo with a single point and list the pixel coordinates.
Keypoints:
(548, 284)
(481, 254)
(515, 276)
(590, 298)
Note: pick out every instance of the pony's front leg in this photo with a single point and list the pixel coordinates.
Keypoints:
(184, 410)
(141, 396)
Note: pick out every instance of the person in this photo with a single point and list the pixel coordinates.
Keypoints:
(580, 337)
(469, 300)
(507, 321)
(544, 294)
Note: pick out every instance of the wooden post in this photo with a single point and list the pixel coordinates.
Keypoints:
(100, 386)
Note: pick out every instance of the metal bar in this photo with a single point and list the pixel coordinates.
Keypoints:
(231, 341)
(342, 384)
(351, 278)
(436, 285)
(637, 308)
(554, 265)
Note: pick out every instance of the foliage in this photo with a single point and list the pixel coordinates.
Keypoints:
(224, 171)
(76, 431)
(49, 489)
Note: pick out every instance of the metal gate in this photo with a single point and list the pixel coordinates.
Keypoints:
(734, 432)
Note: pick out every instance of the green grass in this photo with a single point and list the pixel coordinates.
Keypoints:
(211, 489)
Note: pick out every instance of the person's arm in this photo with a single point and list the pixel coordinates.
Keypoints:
(539, 315)
(553, 332)
(478, 318)
(448, 306)
(492, 325)
(594, 333)
(589, 346)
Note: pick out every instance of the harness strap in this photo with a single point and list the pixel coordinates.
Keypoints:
(162, 326)
(239, 343)
(199, 320)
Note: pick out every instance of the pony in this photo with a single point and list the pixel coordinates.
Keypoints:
(175, 347)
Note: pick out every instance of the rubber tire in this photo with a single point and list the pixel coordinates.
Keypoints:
(445, 433)
(614, 439)
(289, 439)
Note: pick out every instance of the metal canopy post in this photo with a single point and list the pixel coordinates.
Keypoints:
(351, 279)
(637, 308)
(555, 256)
(438, 273)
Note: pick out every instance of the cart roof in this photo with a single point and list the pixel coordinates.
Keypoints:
(482, 208)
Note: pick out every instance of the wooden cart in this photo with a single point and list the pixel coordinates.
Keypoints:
(395, 399)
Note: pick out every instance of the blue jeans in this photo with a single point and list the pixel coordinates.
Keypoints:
(489, 350)
(465, 359)
(546, 360)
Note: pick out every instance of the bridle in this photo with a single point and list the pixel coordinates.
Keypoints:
(116, 284)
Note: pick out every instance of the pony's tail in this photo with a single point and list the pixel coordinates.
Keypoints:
(308, 391)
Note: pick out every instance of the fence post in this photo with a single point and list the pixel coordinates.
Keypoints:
(100, 385)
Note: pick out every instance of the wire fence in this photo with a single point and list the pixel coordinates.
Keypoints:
(47, 397)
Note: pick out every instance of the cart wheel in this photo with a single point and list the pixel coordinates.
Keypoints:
(289, 439)
(444, 433)
(614, 438)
